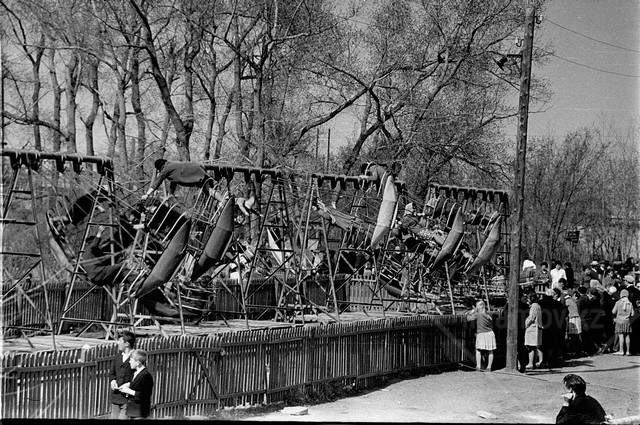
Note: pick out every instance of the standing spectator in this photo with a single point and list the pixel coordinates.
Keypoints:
(577, 407)
(571, 278)
(597, 269)
(541, 277)
(485, 337)
(556, 274)
(587, 274)
(609, 278)
(634, 299)
(121, 373)
(140, 387)
(624, 311)
(189, 174)
(523, 313)
(595, 322)
(552, 327)
(608, 302)
(583, 309)
(574, 325)
(561, 333)
(634, 293)
(533, 332)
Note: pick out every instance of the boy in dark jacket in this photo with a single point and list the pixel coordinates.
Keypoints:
(577, 407)
(121, 373)
(140, 388)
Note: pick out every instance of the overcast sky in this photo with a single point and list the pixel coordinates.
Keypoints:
(600, 34)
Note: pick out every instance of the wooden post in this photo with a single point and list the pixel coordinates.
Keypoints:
(2, 141)
(518, 190)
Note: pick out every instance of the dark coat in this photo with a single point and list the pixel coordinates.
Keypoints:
(571, 277)
(122, 373)
(139, 406)
(101, 272)
(188, 174)
(583, 409)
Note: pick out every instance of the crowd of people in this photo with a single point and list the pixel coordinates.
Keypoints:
(564, 314)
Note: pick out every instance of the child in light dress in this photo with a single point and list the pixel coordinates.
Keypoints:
(485, 337)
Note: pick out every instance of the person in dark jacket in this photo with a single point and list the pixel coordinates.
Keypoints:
(120, 374)
(571, 277)
(97, 264)
(188, 174)
(80, 209)
(523, 353)
(585, 316)
(595, 319)
(577, 407)
(553, 318)
(140, 388)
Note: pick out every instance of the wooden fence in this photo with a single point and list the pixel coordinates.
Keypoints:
(96, 304)
(18, 310)
(200, 375)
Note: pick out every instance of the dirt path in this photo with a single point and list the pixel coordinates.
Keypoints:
(490, 397)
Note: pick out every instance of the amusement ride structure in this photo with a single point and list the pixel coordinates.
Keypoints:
(280, 245)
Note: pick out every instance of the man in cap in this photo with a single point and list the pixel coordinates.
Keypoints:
(634, 293)
(595, 266)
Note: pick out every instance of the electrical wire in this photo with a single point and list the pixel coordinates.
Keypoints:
(591, 67)
(591, 38)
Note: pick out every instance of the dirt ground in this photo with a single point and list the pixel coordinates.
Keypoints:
(467, 396)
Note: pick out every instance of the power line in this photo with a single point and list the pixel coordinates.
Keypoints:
(591, 38)
(590, 67)
(550, 53)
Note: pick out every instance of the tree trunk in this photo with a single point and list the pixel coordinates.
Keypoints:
(55, 92)
(35, 97)
(95, 105)
(71, 81)
(243, 147)
(211, 116)
(122, 122)
(113, 132)
(141, 143)
(222, 123)
(190, 54)
(257, 130)
(56, 138)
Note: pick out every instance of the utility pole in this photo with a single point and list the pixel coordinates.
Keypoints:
(2, 140)
(326, 163)
(518, 189)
